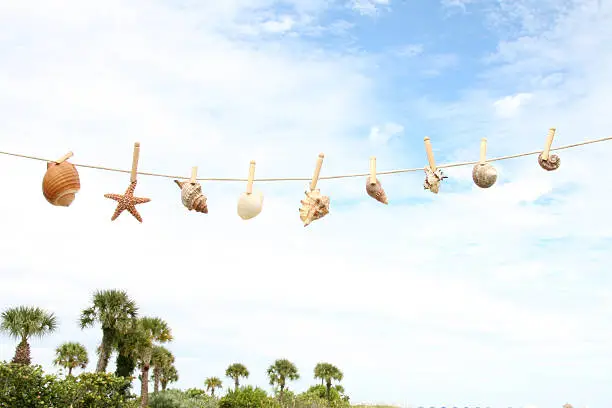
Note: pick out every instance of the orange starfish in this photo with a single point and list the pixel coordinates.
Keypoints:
(127, 202)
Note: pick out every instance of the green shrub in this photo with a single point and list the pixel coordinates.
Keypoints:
(29, 387)
(179, 399)
(248, 397)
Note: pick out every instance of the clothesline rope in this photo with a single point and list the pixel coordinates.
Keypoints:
(468, 163)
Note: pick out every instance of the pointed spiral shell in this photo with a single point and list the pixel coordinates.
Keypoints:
(314, 207)
(376, 191)
(484, 175)
(551, 164)
(192, 196)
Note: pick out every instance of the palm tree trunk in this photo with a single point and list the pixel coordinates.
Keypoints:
(156, 372)
(163, 385)
(69, 371)
(236, 384)
(212, 392)
(282, 390)
(22, 353)
(144, 386)
(104, 350)
(328, 386)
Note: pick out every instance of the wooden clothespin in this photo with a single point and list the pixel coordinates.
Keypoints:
(249, 189)
(135, 157)
(317, 172)
(372, 170)
(194, 175)
(483, 150)
(549, 141)
(430, 155)
(64, 158)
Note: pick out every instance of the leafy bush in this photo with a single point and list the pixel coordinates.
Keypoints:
(248, 397)
(179, 399)
(29, 387)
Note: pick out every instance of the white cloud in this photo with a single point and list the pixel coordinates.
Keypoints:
(370, 7)
(509, 105)
(384, 133)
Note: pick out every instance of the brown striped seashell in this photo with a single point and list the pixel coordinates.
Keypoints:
(376, 191)
(61, 183)
(192, 197)
(314, 207)
(551, 164)
(433, 179)
(484, 175)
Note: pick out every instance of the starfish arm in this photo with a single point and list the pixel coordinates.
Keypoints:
(139, 200)
(117, 212)
(115, 197)
(134, 212)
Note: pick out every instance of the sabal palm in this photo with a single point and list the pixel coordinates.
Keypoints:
(115, 312)
(149, 330)
(327, 373)
(160, 359)
(167, 375)
(70, 356)
(235, 372)
(213, 383)
(281, 371)
(24, 322)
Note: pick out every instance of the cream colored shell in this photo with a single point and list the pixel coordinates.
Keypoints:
(250, 205)
(484, 175)
(376, 191)
(551, 164)
(314, 207)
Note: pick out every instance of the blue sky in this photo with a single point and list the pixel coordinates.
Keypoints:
(497, 297)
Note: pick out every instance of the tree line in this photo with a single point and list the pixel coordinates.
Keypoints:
(137, 342)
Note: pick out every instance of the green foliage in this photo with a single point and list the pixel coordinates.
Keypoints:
(28, 386)
(195, 392)
(212, 383)
(235, 371)
(281, 371)
(23, 322)
(318, 394)
(248, 397)
(179, 399)
(71, 356)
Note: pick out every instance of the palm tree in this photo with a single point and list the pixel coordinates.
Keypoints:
(115, 312)
(149, 330)
(24, 322)
(235, 371)
(71, 356)
(212, 383)
(281, 371)
(167, 375)
(161, 358)
(327, 372)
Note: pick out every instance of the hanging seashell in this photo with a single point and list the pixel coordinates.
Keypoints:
(250, 205)
(484, 175)
(314, 206)
(192, 197)
(61, 183)
(376, 191)
(433, 179)
(551, 164)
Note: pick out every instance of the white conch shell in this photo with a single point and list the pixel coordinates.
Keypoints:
(250, 205)
(314, 207)
(433, 179)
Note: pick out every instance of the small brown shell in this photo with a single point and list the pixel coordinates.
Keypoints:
(484, 175)
(376, 191)
(61, 183)
(192, 197)
(551, 164)
(433, 179)
(314, 207)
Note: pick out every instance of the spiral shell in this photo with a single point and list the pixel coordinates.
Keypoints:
(192, 197)
(250, 205)
(551, 164)
(314, 207)
(376, 191)
(484, 175)
(61, 183)
(433, 179)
